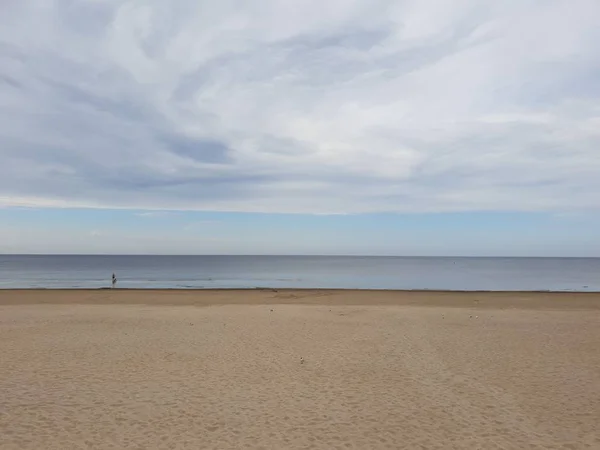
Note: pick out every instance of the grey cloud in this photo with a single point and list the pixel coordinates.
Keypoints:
(238, 107)
(203, 150)
(122, 108)
(575, 80)
(89, 19)
(10, 81)
(322, 59)
(356, 39)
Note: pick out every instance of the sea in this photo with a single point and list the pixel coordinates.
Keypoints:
(337, 272)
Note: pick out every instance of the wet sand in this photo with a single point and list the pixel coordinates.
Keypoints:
(298, 369)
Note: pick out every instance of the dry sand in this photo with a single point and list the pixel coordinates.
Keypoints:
(298, 370)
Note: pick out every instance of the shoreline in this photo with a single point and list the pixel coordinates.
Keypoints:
(273, 296)
(266, 288)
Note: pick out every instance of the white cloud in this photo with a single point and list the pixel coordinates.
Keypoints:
(336, 107)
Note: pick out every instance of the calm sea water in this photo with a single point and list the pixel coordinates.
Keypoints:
(54, 271)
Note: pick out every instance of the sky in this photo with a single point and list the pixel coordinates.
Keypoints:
(409, 127)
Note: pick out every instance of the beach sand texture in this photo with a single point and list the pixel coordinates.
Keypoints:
(344, 370)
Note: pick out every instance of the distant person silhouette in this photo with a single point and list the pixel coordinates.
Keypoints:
(114, 280)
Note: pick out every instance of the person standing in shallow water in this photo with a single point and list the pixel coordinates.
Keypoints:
(114, 281)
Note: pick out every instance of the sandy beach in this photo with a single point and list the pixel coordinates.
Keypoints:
(298, 369)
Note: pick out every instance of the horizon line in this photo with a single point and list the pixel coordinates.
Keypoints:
(295, 255)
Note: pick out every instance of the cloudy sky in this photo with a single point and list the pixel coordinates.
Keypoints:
(346, 126)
